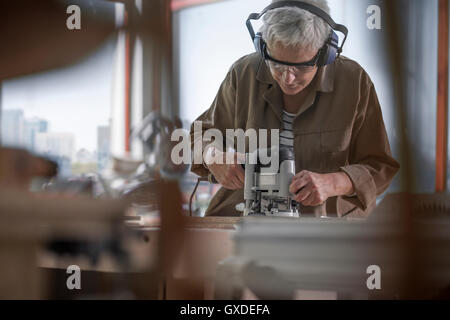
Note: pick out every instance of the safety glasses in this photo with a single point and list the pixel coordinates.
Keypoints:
(296, 68)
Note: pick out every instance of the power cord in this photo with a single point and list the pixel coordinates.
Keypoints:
(200, 179)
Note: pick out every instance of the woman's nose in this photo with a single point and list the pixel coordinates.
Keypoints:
(288, 76)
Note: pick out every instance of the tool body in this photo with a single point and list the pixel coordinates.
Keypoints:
(266, 190)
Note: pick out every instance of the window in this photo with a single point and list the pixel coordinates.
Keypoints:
(63, 114)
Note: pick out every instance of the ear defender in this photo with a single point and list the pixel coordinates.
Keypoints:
(329, 51)
(259, 43)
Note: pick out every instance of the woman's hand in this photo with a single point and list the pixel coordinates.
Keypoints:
(231, 176)
(313, 189)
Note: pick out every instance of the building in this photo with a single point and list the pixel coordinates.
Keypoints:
(17, 131)
(56, 144)
(12, 128)
(103, 146)
(85, 156)
(31, 128)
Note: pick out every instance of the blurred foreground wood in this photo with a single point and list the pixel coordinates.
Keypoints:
(189, 275)
(27, 222)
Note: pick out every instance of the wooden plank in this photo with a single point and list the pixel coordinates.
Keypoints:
(442, 98)
(189, 222)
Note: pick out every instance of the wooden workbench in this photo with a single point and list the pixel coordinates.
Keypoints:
(206, 242)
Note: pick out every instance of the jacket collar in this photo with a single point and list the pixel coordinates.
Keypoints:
(323, 81)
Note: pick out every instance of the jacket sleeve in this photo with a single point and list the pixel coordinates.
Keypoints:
(371, 167)
(219, 116)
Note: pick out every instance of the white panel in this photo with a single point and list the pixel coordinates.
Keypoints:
(118, 100)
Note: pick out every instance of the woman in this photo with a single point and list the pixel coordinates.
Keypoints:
(328, 113)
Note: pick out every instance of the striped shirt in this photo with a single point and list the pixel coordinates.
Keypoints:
(287, 135)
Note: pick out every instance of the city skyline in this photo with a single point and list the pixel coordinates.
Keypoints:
(35, 135)
(76, 98)
(23, 135)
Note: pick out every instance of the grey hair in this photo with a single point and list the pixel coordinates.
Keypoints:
(294, 27)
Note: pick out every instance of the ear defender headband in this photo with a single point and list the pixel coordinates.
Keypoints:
(329, 51)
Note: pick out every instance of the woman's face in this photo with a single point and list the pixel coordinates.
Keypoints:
(292, 80)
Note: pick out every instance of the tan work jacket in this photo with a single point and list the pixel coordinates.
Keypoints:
(339, 127)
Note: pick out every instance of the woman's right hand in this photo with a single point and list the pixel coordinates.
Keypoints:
(231, 176)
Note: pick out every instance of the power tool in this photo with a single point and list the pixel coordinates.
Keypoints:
(266, 188)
